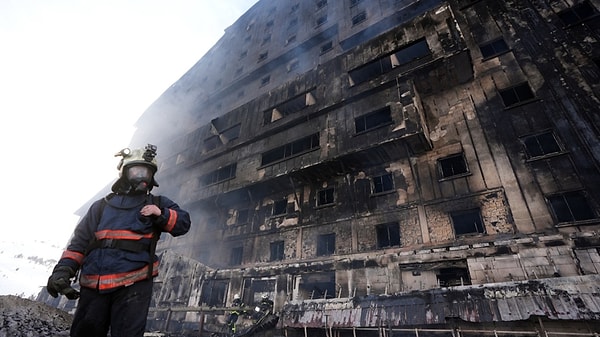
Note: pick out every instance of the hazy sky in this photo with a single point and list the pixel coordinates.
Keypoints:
(75, 75)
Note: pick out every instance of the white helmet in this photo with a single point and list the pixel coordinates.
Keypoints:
(236, 296)
(265, 296)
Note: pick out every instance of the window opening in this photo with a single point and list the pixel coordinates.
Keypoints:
(263, 56)
(289, 107)
(326, 47)
(265, 80)
(242, 216)
(321, 4)
(375, 68)
(383, 183)
(493, 48)
(236, 256)
(517, 94)
(211, 143)
(321, 20)
(317, 285)
(388, 235)
(326, 244)
(292, 149)
(577, 13)
(280, 207)
(277, 253)
(373, 120)
(570, 207)
(454, 165)
(452, 277)
(541, 145)
(358, 18)
(222, 174)
(325, 197)
(213, 293)
(467, 222)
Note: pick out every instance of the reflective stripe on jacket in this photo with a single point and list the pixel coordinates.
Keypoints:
(106, 268)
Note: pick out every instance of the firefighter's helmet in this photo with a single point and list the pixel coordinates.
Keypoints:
(128, 181)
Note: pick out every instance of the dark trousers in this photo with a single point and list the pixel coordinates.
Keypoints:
(124, 311)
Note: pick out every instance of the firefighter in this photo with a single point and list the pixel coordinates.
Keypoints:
(113, 248)
(235, 312)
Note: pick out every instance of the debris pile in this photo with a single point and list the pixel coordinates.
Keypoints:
(26, 318)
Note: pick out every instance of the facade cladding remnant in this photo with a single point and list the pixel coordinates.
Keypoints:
(388, 168)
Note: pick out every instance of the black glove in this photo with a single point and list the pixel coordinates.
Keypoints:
(60, 283)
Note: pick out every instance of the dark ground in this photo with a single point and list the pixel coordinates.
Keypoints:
(26, 318)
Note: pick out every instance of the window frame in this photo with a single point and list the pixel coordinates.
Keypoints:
(492, 44)
(473, 212)
(380, 181)
(329, 199)
(390, 241)
(329, 241)
(525, 140)
(579, 202)
(277, 251)
(463, 160)
(515, 90)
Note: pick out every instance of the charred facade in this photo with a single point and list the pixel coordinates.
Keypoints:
(388, 168)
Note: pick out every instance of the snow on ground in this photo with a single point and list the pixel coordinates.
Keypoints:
(24, 269)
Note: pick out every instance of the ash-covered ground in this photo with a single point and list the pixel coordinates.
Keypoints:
(26, 318)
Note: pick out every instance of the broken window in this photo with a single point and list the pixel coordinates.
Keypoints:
(452, 277)
(452, 166)
(316, 285)
(541, 145)
(493, 48)
(217, 176)
(388, 235)
(358, 18)
(577, 13)
(326, 244)
(373, 120)
(291, 106)
(383, 183)
(325, 197)
(570, 207)
(277, 253)
(213, 293)
(382, 65)
(467, 222)
(292, 149)
(517, 94)
(237, 254)
(279, 207)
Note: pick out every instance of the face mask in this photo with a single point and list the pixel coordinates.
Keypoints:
(139, 177)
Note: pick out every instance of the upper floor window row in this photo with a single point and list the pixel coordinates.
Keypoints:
(373, 120)
(289, 107)
(382, 65)
(577, 13)
(292, 149)
(219, 175)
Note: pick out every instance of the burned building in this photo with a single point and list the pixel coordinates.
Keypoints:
(388, 168)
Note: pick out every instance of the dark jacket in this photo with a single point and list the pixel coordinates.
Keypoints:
(111, 244)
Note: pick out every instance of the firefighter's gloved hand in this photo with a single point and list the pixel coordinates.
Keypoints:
(60, 283)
